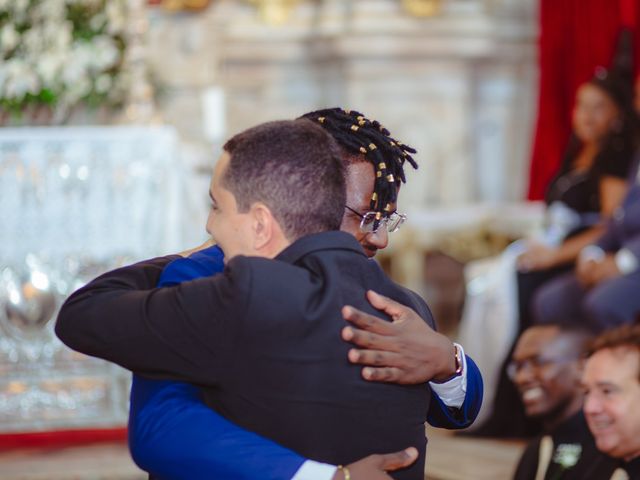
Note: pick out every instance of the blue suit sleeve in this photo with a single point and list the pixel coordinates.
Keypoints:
(439, 415)
(174, 436)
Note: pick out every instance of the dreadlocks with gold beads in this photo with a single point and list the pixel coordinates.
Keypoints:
(358, 135)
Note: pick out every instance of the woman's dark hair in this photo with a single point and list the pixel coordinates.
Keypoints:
(617, 83)
(618, 147)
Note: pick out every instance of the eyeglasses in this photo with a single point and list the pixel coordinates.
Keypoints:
(392, 222)
(535, 363)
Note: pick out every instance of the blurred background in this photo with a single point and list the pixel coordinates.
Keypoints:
(112, 114)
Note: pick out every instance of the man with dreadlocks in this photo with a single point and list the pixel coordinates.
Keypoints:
(405, 351)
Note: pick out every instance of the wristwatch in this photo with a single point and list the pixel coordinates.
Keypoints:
(458, 360)
(458, 364)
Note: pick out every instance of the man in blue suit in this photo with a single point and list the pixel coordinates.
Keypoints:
(174, 435)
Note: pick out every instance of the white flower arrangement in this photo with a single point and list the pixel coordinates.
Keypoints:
(567, 455)
(59, 54)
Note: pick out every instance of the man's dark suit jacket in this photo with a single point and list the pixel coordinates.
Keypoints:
(590, 463)
(263, 339)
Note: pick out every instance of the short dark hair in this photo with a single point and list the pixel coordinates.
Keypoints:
(624, 336)
(362, 138)
(294, 168)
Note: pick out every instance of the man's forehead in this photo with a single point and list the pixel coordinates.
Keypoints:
(535, 340)
(218, 170)
(612, 365)
(221, 163)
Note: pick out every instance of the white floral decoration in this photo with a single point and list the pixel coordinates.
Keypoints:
(62, 53)
(567, 455)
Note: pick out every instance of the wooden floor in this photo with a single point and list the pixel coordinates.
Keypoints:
(449, 458)
(92, 462)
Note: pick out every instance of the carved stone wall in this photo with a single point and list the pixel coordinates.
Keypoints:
(459, 86)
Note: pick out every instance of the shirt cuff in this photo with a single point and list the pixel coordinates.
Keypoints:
(452, 393)
(626, 261)
(311, 470)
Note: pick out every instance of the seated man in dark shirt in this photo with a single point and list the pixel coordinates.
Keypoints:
(594, 441)
(546, 366)
(263, 339)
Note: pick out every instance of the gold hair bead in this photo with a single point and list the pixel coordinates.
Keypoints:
(321, 119)
(392, 143)
(372, 146)
(374, 197)
(347, 112)
(378, 215)
(354, 128)
(360, 117)
(361, 122)
(378, 174)
(387, 207)
(382, 165)
(363, 150)
(390, 178)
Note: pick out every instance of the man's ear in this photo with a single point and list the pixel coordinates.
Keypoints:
(263, 225)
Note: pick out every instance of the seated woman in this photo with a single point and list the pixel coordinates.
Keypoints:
(590, 185)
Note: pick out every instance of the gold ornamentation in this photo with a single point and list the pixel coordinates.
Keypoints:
(275, 12)
(175, 5)
(422, 8)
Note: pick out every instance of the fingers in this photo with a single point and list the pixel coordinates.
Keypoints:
(383, 374)
(394, 461)
(370, 340)
(385, 304)
(375, 358)
(366, 321)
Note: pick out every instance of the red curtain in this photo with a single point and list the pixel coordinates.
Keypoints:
(61, 438)
(575, 37)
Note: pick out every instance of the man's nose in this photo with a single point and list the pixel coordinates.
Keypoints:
(591, 404)
(379, 238)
